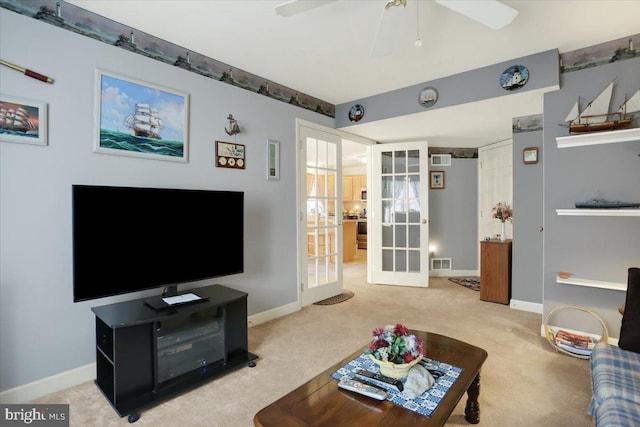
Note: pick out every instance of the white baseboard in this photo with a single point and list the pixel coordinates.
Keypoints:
(274, 313)
(453, 273)
(533, 307)
(40, 388)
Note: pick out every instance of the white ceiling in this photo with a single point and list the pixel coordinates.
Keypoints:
(325, 52)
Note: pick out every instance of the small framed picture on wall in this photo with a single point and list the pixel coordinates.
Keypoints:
(23, 120)
(530, 155)
(436, 180)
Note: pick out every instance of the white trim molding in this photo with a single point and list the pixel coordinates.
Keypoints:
(45, 386)
(533, 307)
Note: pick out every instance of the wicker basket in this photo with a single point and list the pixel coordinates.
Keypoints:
(394, 370)
(551, 334)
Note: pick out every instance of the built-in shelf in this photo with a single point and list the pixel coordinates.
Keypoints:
(595, 138)
(599, 212)
(592, 283)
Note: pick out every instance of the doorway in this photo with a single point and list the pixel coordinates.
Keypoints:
(354, 199)
(495, 184)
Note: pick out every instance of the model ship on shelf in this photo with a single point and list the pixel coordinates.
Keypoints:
(599, 203)
(145, 122)
(595, 116)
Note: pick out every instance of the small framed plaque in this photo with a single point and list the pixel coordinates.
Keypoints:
(436, 181)
(530, 155)
(230, 155)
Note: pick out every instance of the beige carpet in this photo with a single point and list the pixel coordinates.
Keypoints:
(524, 382)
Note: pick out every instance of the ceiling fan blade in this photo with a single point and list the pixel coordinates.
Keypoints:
(390, 22)
(294, 7)
(492, 13)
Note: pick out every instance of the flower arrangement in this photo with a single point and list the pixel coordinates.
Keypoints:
(503, 212)
(394, 344)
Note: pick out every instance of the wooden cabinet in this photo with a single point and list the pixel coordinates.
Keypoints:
(347, 188)
(352, 186)
(359, 184)
(349, 241)
(325, 243)
(495, 271)
(319, 188)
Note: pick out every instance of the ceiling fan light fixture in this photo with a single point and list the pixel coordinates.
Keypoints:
(418, 42)
(395, 3)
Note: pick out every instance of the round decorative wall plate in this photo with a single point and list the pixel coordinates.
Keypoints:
(356, 113)
(514, 77)
(428, 96)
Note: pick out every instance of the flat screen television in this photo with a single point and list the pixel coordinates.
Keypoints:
(128, 239)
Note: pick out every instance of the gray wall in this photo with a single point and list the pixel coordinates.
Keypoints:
(475, 85)
(453, 214)
(599, 248)
(526, 275)
(42, 332)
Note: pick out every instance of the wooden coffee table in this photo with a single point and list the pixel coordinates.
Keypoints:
(320, 402)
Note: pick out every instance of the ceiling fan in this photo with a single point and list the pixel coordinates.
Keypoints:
(491, 13)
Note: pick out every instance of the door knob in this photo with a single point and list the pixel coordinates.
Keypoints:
(424, 221)
(541, 229)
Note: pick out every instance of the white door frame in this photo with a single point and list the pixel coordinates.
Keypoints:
(301, 229)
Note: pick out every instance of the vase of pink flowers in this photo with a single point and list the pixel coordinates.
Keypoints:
(504, 213)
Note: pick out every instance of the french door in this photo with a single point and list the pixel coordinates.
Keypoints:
(398, 210)
(320, 226)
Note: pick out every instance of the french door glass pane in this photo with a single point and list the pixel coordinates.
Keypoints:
(322, 205)
(400, 208)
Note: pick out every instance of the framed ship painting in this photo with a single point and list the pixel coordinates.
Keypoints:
(23, 120)
(140, 119)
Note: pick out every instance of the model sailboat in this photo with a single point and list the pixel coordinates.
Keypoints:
(596, 116)
(145, 122)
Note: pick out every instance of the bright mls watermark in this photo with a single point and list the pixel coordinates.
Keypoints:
(34, 415)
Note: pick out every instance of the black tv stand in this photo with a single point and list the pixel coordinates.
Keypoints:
(144, 355)
(158, 303)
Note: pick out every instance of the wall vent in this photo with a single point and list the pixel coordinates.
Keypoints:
(440, 263)
(441, 160)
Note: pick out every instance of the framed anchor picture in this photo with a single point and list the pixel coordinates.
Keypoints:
(140, 119)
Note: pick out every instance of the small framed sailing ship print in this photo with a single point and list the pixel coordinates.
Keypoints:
(140, 119)
(22, 120)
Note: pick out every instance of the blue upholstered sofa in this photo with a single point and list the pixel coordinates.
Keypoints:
(615, 379)
(615, 371)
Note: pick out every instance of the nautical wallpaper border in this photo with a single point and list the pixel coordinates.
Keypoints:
(600, 54)
(530, 123)
(81, 21)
